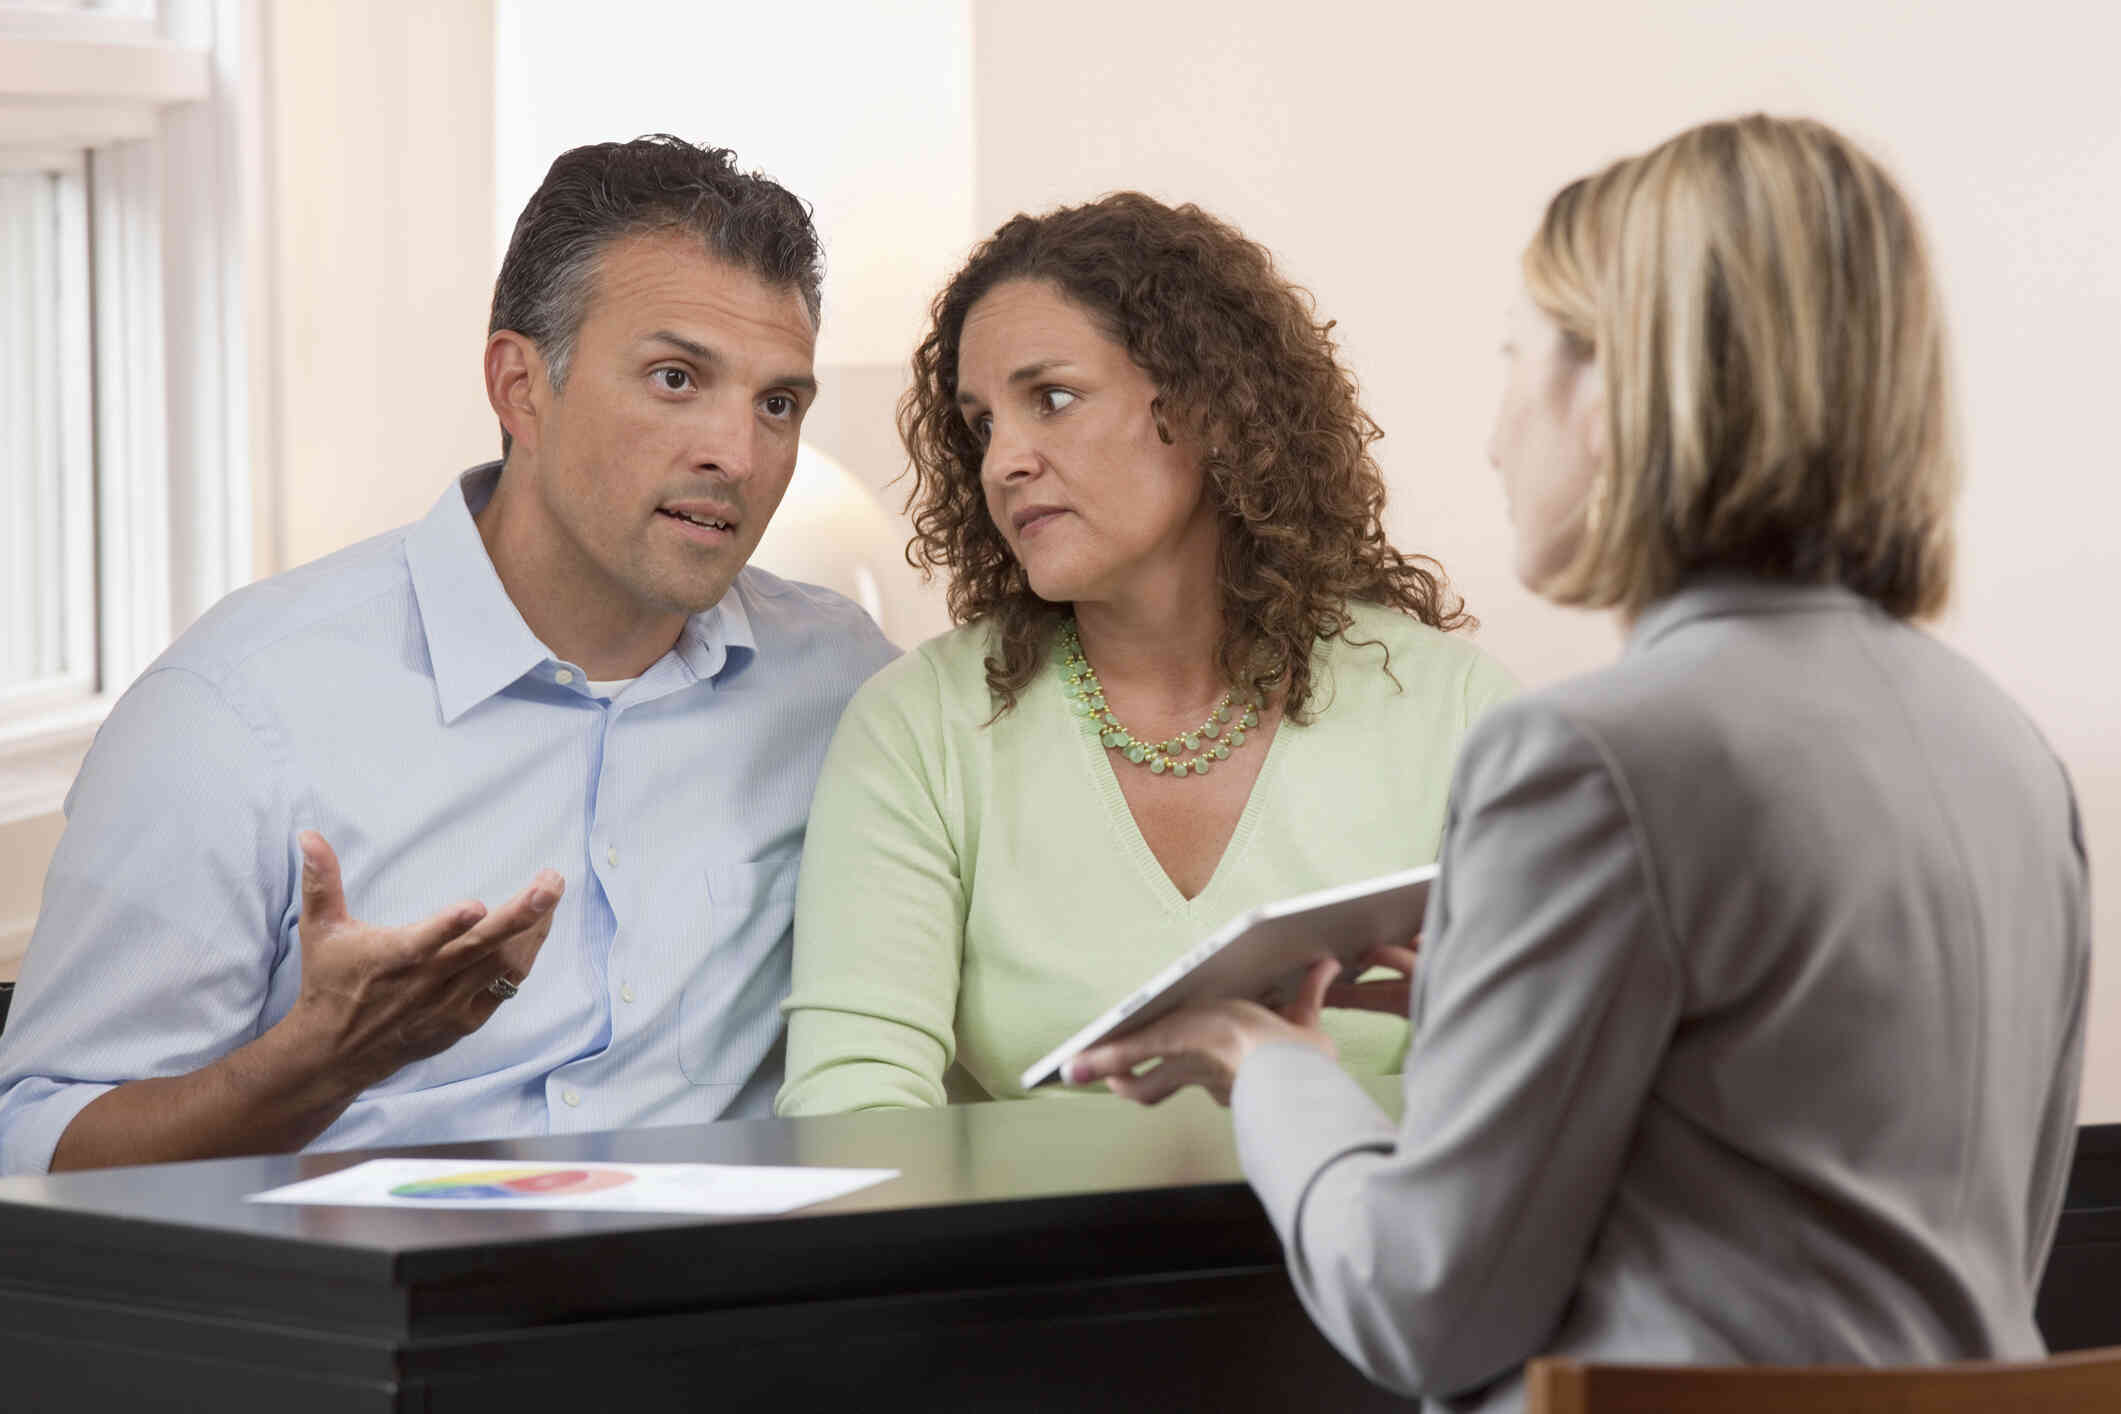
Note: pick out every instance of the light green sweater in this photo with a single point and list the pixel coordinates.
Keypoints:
(975, 893)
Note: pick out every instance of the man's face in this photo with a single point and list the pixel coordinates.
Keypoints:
(659, 463)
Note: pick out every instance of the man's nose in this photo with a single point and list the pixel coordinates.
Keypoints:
(724, 439)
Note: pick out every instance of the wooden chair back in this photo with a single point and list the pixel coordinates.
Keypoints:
(2087, 1382)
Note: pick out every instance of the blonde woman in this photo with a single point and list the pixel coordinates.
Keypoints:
(1750, 1014)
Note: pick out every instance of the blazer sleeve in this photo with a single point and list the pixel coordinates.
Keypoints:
(1441, 1253)
(880, 911)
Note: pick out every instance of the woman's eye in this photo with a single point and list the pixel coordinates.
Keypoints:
(1054, 399)
(675, 380)
(982, 428)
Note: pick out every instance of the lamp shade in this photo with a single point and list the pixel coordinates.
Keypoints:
(830, 531)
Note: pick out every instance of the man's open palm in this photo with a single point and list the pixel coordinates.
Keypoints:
(380, 998)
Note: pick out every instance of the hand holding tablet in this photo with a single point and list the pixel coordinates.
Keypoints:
(1393, 995)
(1265, 956)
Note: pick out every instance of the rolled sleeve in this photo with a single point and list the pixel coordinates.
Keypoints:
(37, 1111)
(156, 942)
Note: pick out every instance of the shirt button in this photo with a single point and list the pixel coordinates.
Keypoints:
(571, 1097)
(563, 677)
(626, 992)
(611, 855)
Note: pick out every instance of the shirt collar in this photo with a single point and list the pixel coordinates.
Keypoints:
(719, 642)
(477, 641)
(1720, 593)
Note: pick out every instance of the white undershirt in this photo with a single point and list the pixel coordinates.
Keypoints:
(610, 689)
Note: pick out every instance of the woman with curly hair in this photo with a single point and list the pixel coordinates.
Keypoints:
(1191, 675)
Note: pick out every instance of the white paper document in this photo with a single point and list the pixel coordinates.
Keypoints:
(721, 1190)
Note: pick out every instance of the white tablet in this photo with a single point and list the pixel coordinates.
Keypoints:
(1262, 955)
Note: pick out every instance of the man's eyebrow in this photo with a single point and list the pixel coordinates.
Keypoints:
(800, 382)
(1026, 374)
(678, 341)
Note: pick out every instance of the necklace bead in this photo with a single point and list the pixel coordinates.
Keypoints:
(1188, 753)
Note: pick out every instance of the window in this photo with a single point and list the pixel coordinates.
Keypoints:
(48, 625)
(124, 466)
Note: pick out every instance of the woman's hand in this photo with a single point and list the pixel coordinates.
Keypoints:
(1204, 1045)
(1392, 995)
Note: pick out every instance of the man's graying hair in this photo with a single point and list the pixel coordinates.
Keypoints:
(595, 195)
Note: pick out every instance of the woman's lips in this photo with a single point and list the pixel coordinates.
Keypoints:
(1037, 521)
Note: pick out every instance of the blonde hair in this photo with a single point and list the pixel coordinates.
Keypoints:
(1773, 351)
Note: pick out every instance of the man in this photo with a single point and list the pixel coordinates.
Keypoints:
(561, 688)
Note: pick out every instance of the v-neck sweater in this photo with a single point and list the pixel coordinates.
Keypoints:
(974, 891)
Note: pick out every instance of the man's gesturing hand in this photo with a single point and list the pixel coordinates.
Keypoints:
(375, 999)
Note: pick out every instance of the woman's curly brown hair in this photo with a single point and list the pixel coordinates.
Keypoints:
(1240, 362)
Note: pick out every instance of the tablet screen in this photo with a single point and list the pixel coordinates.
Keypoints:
(1262, 955)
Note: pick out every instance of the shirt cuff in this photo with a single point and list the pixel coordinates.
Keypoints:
(1296, 1112)
(33, 1131)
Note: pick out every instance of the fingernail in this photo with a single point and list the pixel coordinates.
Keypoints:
(542, 898)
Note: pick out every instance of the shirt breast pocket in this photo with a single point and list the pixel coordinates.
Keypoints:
(730, 1014)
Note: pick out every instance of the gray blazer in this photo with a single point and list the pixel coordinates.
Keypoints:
(1747, 1028)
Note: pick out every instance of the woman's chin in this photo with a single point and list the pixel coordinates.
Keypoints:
(1053, 586)
(1539, 579)
(1541, 565)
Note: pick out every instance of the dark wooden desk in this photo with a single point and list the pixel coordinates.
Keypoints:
(1048, 1256)
(1030, 1257)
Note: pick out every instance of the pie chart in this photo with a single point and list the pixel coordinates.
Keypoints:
(504, 1184)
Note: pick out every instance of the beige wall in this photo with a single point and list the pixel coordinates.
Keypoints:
(1396, 157)
(379, 146)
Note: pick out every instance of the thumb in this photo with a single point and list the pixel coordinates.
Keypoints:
(1311, 998)
(323, 895)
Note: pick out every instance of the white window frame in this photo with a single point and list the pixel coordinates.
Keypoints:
(175, 279)
(56, 420)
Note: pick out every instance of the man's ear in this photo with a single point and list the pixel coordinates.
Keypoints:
(516, 386)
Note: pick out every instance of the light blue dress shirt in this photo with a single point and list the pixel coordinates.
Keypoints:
(391, 697)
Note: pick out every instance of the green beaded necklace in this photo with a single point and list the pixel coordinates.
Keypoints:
(1212, 741)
